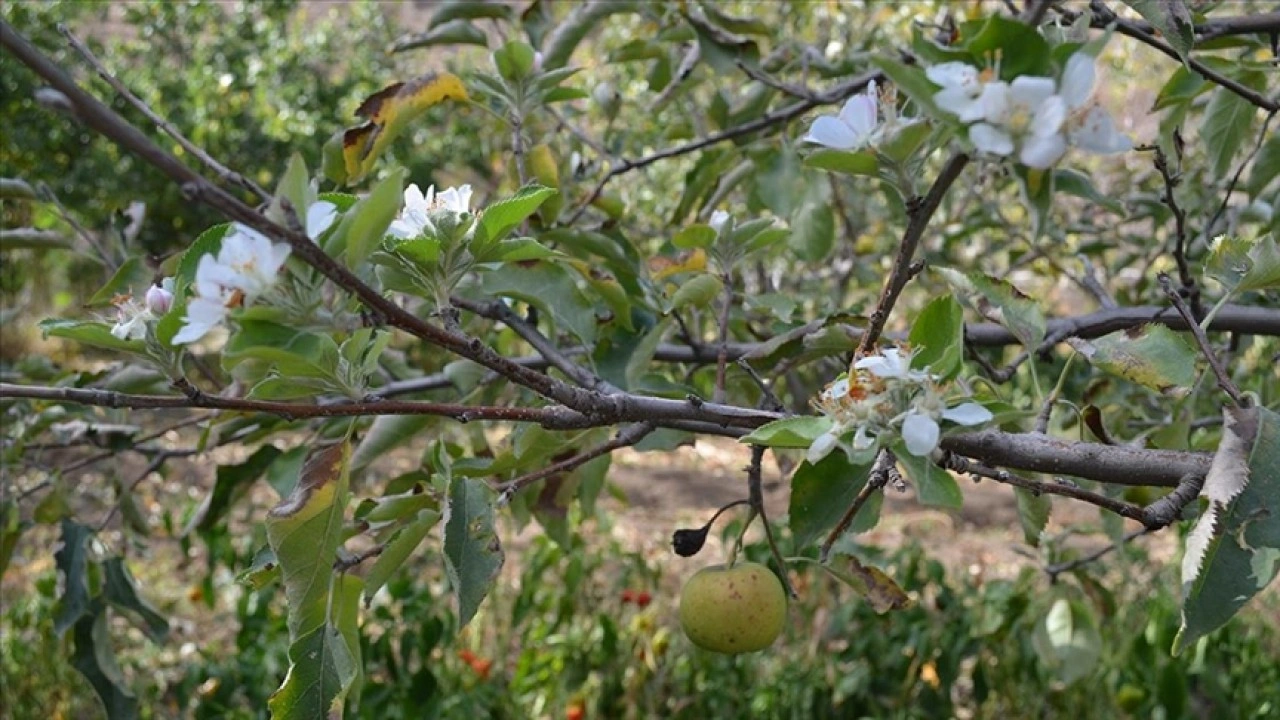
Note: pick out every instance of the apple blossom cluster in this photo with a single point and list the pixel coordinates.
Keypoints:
(882, 397)
(415, 217)
(245, 268)
(133, 316)
(863, 121)
(1033, 116)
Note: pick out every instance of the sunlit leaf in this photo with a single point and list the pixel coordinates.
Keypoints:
(1173, 21)
(792, 432)
(937, 336)
(388, 112)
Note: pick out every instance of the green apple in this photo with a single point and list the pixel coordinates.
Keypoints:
(733, 610)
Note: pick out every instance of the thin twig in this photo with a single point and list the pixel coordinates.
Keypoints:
(835, 95)
(755, 488)
(1057, 569)
(625, 437)
(876, 480)
(1224, 380)
(153, 466)
(920, 211)
(1125, 27)
(224, 173)
(722, 356)
(1172, 178)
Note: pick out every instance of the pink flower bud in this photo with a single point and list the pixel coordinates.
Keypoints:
(159, 300)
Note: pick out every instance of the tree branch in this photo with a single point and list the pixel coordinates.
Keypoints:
(1202, 341)
(920, 212)
(1126, 27)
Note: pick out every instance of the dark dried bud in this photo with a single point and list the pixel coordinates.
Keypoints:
(688, 541)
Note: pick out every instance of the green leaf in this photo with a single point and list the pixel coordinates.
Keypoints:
(551, 289)
(697, 291)
(1079, 184)
(294, 186)
(792, 432)
(1266, 167)
(640, 357)
(454, 32)
(321, 671)
(366, 224)
(472, 552)
(999, 302)
(1033, 513)
(264, 569)
(695, 236)
(1037, 188)
(1181, 88)
(305, 531)
(813, 231)
(93, 657)
(900, 146)
(72, 560)
(1227, 123)
(560, 43)
(514, 60)
(934, 486)
(822, 493)
(387, 433)
(121, 592)
(1021, 48)
(90, 333)
(938, 337)
(230, 484)
(209, 242)
(503, 216)
(11, 528)
(1067, 640)
(447, 10)
(1152, 356)
(131, 274)
(845, 162)
(913, 83)
(522, 249)
(1172, 19)
(397, 550)
(1233, 552)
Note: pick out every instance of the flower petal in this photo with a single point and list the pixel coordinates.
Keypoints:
(920, 433)
(960, 103)
(821, 447)
(831, 132)
(320, 217)
(989, 139)
(956, 75)
(861, 112)
(1030, 91)
(969, 413)
(1043, 152)
(1096, 133)
(718, 219)
(1049, 117)
(1077, 79)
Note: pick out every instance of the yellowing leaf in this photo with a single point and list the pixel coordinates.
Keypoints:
(388, 111)
(1153, 356)
(662, 267)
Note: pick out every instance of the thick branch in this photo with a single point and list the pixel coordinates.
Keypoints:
(1260, 24)
(1112, 464)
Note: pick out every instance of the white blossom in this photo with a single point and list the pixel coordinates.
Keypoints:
(718, 219)
(891, 364)
(1088, 126)
(856, 125)
(961, 89)
(920, 430)
(1025, 114)
(246, 266)
(822, 446)
(414, 219)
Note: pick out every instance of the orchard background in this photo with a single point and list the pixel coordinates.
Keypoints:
(364, 358)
